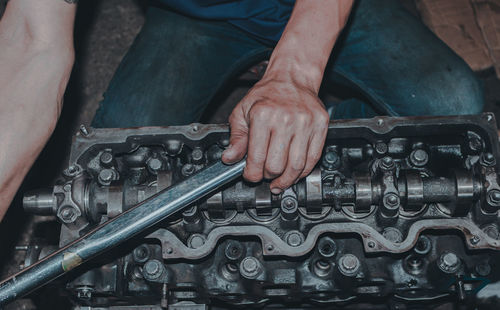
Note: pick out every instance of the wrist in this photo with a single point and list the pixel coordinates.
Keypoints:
(290, 69)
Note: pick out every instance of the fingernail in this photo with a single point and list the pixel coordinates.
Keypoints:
(276, 190)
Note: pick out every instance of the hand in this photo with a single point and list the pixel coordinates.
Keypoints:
(282, 125)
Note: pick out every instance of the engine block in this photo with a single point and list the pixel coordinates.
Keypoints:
(399, 211)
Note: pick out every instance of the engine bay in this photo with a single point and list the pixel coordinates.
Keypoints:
(399, 211)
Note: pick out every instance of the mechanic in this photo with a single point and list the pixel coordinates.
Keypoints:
(188, 49)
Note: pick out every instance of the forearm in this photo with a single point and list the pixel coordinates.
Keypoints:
(36, 60)
(308, 39)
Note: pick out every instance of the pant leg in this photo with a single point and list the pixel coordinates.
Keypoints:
(399, 66)
(172, 70)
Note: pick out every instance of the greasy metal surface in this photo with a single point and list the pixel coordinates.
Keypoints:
(398, 210)
(272, 245)
(119, 229)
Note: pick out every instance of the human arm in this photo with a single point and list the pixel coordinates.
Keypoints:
(36, 57)
(281, 123)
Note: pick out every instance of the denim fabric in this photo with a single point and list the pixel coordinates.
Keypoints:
(395, 65)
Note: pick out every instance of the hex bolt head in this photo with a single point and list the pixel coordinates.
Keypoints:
(289, 207)
(390, 203)
(494, 197)
(387, 163)
(197, 155)
(106, 176)
(67, 214)
(449, 262)
(349, 265)
(196, 241)
(487, 159)
(106, 158)
(154, 164)
(419, 158)
(331, 160)
(152, 269)
(190, 215)
(250, 267)
(294, 238)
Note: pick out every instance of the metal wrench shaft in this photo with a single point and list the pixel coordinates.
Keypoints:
(119, 229)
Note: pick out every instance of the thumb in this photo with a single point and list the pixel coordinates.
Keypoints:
(238, 141)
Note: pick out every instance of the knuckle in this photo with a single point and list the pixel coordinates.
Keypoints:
(259, 110)
(274, 169)
(296, 166)
(305, 118)
(252, 175)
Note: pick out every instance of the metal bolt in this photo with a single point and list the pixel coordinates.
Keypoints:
(84, 293)
(488, 159)
(106, 158)
(106, 176)
(449, 262)
(191, 214)
(197, 155)
(187, 170)
(294, 238)
(72, 170)
(141, 253)
(387, 163)
(381, 148)
(423, 246)
(391, 204)
(67, 214)
(392, 234)
(196, 241)
(152, 269)
(234, 250)
(289, 208)
(250, 267)
(155, 164)
(331, 160)
(84, 131)
(289, 203)
(494, 196)
(349, 265)
(474, 239)
(475, 144)
(419, 157)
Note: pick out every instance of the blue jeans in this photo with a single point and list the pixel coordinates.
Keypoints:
(391, 62)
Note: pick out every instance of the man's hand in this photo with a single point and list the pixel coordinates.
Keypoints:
(281, 123)
(283, 126)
